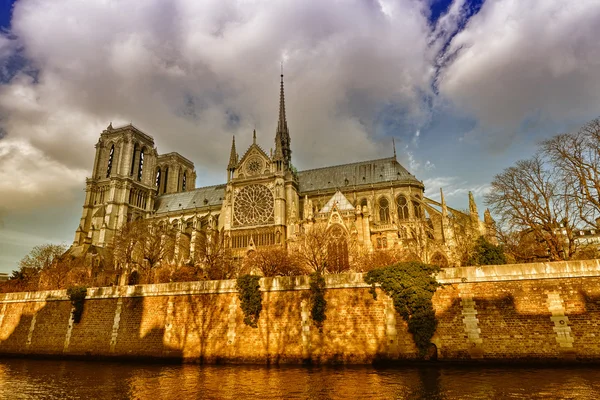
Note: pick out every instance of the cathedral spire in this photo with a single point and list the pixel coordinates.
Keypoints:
(282, 137)
(233, 156)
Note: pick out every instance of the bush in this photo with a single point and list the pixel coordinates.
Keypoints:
(250, 298)
(77, 296)
(411, 286)
(485, 253)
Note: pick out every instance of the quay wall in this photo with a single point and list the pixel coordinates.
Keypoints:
(521, 312)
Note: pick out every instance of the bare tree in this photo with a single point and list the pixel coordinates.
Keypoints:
(275, 261)
(40, 259)
(576, 156)
(530, 196)
(312, 248)
(215, 257)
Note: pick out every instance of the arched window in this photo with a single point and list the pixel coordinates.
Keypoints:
(110, 160)
(133, 156)
(140, 165)
(184, 182)
(165, 180)
(417, 209)
(439, 260)
(337, 250)
(157, 179)
(363, 203)
(384, 210)
(402, 207)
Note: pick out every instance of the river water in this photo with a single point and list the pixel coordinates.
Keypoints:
(51, 379)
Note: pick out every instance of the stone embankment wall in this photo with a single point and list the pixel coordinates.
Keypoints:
(546, 311)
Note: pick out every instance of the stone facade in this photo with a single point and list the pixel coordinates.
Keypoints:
(544, 311)
(375, 204)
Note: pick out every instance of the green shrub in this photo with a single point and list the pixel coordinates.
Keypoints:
(411, 286)
(250, 298)
(317, 299)
(77, 296)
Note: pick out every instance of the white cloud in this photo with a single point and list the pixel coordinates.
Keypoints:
(193, 73)
(518, 60)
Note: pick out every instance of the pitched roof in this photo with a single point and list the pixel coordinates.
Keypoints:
(355, 174)
(197, 198)
(340, 201)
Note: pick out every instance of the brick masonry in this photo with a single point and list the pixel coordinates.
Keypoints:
(546, 311)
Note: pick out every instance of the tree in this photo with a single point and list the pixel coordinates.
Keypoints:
(576, 156)
(42, 258)
(312, 248)
(485, 253)
(275, 261)
(215, 257)
(530, 196)
(144, 243)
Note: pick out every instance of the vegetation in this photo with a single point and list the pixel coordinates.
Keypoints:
(275, 261)
(77, 296)
(485, 253)
(411, 286)
(250, 298)
(544, 200)
(317, 299)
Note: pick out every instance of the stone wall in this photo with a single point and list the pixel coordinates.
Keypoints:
(539, 311)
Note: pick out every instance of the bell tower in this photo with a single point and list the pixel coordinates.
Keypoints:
(122, 185)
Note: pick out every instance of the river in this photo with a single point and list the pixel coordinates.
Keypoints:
(52, 379)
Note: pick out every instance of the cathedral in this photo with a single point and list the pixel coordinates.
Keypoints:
(374, 205)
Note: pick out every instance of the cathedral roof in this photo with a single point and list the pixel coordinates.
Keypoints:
(355, 174)
(201, 197)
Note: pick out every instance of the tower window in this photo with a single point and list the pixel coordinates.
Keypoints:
(384, 210)
(135, 150)
(165, 180)
(157, 179)
(184, 182)
(402, 207)
(140, 165)
(110, 160)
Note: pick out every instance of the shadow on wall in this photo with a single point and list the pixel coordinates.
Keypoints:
(533, 321)
(516, 319)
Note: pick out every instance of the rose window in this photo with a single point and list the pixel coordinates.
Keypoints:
(253, 205)
(254, 166)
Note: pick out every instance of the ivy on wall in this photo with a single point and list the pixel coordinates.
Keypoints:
(317, 299)
(411, 286)
(250, 298)
(77, 296)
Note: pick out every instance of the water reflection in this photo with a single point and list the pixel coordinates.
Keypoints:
(45, 379)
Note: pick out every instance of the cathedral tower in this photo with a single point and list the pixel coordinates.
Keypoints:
(121, 187)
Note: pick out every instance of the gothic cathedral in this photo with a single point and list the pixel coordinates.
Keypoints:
(374, 204)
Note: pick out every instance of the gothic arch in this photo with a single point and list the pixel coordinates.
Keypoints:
(109, 164)
(417, 210)
(337, 249)
(440, 260)
(383, 209)
(402, 206)
(140, 168)
(158, 178)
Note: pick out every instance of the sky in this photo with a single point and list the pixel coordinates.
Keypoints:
(466, 88)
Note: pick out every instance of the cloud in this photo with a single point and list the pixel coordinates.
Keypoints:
(455, 188)
(517, 61)
(30, 179)
(192, 74)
